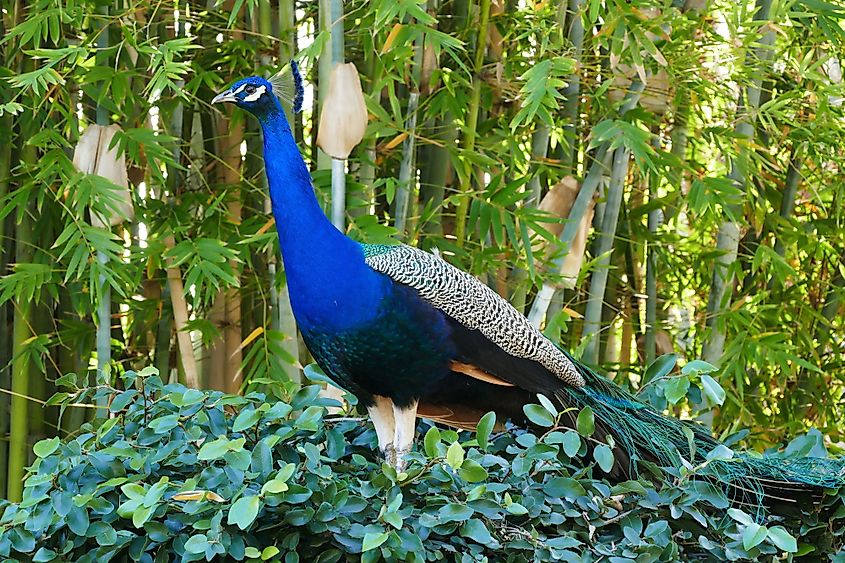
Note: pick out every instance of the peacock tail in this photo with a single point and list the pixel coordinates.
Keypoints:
(644, 434)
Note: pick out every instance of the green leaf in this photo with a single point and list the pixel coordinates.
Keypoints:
(712, 390)
(517, 509)
(196, 544)
(44, 554)
(432, 438)
(547, 404)
(246, 419)
(269, 552)
(141, 515)
(43, 448)
(698, 366)
(586, 422)
(475, 530)
(455, 455)
(538, 415)
(214, 449)
(740, 516)
(564, 487)
(134, 491)
(164, 424)
(472, 472)
(720, 452)
(373, 539)
(244, 511)
(454, 512)
(783, 539)
(660, 367)
(483, 429)
(604, 456)
(753, 535)
(571, 443)
(274, 486)
(675, 388)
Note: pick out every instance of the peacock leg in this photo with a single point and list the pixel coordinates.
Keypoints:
(382, 415)
(406, 425)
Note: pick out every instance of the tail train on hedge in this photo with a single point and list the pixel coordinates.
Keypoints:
(412, 336)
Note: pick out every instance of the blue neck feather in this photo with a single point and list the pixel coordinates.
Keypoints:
(331, 287)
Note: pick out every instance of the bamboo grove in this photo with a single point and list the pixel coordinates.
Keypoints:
(639, 177)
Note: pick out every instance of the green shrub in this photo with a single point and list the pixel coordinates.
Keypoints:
(179, 474)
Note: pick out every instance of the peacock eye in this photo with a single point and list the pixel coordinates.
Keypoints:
(250, 89)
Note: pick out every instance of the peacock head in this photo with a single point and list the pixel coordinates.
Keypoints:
(261, 96)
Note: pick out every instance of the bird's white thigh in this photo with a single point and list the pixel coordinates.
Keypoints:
(405, 419)
(382, 415)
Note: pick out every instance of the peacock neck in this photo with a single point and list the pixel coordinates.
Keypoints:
(330, 285)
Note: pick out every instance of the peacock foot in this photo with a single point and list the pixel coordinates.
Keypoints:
(389, 453)
(400, 463)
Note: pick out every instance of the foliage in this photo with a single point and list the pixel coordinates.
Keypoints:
(182, 474)
(152, 67)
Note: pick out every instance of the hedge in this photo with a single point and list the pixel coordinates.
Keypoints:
(177, 474)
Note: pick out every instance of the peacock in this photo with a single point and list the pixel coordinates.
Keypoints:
(412, 336)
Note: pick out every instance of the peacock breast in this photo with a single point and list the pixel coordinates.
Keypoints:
(401, 353)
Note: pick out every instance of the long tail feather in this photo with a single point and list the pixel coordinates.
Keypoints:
(643, 434)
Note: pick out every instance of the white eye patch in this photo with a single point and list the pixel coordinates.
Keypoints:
(240, 89)
(259, 91)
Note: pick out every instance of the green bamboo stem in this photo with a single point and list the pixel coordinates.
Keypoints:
(572, 92)
(655, 216)
(787, 202)
(406, 168)
(282, 315)
(679, 138)
(435, 174)
(6, 140)
(830, 309)
(331, 20)
(539, 149)
(22, 331)
(471, 123)
(727, 241)
(598, 281)
(579, 207)
(367, 169)
(104, 291)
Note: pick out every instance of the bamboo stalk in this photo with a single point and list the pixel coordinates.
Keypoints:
(331, 20)
(232, 301)
(22, 331)
(598, 281)
(655, 216)
(161, 355)
(180, 319)
(572, 91)
(727, 241)
(407, 174)
(787, 202)
(6, 139)
(104, 302)
(339, 193)
(579, 208)
(434, 176)
(471, 123)
(539, 149)
(281, 313)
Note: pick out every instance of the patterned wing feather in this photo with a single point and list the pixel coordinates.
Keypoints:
(472, 304)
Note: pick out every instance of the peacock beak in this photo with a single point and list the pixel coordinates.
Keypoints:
(227, 96)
